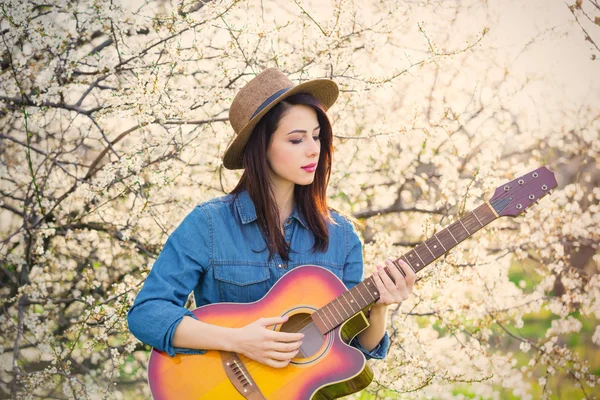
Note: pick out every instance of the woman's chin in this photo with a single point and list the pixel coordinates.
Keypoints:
(305, 181)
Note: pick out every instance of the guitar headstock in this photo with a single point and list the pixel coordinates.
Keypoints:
(514, 197)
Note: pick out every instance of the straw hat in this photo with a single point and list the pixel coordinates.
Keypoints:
(261, 94)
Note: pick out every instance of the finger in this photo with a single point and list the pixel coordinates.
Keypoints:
(389, 284)
(397, 276)
(402, 290)
(282, 355)
(268, 321)
(410, 274)
(384, 295)
(285, 336)
(285, 346)
(377, 279)
(276, 363)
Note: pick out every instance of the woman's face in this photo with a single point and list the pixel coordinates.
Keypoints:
(294, 150)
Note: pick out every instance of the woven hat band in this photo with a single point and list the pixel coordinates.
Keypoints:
(269, 100)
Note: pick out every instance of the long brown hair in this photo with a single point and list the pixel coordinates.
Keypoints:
(311, 200)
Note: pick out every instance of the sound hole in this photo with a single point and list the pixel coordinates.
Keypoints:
(313, 340)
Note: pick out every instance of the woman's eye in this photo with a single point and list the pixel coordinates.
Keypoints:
(298, 141)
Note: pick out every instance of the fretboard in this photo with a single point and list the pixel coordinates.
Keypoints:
(365, 293)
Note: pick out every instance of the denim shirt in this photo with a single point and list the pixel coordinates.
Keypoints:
(218, 252)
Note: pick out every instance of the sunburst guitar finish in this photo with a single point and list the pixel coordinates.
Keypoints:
(326, 367)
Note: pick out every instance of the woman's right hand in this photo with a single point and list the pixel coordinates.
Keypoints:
(267, 346)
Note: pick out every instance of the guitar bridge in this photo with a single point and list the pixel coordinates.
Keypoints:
(239, 376)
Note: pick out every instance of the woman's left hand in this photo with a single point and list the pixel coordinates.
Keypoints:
(390, 292)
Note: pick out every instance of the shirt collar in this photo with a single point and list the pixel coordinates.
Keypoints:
(247, 211)
(296, 214)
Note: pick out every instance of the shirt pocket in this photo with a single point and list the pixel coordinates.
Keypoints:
(241, 283)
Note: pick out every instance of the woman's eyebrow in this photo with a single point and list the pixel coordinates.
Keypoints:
(302, 130)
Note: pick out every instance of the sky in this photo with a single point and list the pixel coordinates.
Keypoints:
(554, 46)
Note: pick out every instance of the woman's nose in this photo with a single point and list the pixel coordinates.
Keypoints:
(314, 148)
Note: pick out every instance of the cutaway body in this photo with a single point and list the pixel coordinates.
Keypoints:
(326, 367)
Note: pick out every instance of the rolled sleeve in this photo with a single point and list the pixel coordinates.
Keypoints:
(159, 306)
(379, 352)
(353, 275)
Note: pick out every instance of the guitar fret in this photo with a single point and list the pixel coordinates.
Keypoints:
(335, 308)
(339, 299)
(429, 250)
(473, 212)
(399, 268)
(343, 308)
(361, 295)
(460, 232)
(472, 223)
(419, 257)
(433, 247)
(448, 229)
(325, 313)
(374, 294)
(408, 262)
(463, 225)
(440, 242)
(356, 302)
(369, 283)
(322, 320)
(354, 305)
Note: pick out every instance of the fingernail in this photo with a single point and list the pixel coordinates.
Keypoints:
(379, 267)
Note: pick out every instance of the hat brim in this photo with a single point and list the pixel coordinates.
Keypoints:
(324, 90)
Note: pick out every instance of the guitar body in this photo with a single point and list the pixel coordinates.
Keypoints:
(326, 368)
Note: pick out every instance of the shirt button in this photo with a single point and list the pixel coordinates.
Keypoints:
(288, 221)
(284, 266)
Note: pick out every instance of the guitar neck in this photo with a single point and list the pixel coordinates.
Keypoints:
(365, 293)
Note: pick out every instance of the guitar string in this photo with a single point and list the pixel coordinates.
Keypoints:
(500, 197)
(256, 365)
(299, 324)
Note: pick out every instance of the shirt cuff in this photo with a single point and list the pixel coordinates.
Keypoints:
(172, 351)
(379, 352)
(182, 350)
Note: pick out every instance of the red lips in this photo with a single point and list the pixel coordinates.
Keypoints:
(310, 165)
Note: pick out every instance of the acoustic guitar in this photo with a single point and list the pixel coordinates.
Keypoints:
(319, 305)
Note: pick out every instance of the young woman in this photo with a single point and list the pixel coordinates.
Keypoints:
(234, 248)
